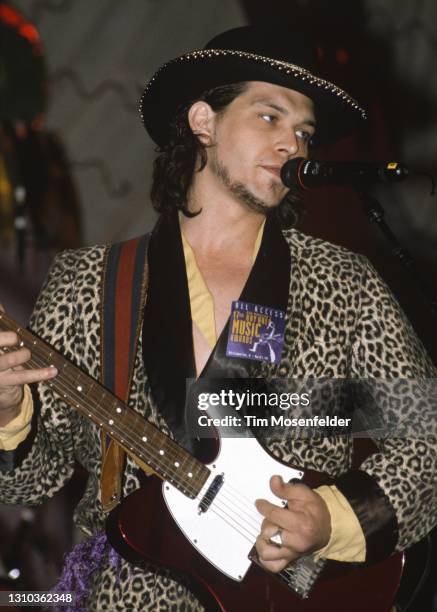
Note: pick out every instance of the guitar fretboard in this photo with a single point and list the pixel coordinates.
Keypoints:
(144, 442)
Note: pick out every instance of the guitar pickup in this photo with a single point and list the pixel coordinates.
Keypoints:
(211, 493)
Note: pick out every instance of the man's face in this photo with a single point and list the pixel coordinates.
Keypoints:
(258, 132)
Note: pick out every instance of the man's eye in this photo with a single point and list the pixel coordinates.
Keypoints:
(305, 136)
(268, 118)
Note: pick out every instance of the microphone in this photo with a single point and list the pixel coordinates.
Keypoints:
(305, 174)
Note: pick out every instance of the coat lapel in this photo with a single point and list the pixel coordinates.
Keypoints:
(167, 330)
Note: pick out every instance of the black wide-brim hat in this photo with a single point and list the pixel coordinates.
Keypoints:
(249, 53)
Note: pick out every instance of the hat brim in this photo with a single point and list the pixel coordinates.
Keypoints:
(185, 78)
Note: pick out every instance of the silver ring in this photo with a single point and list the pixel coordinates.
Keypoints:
(276, 539)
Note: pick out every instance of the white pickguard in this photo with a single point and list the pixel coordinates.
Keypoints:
(226, 532)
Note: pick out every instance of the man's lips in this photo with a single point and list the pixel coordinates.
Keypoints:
(276, 170)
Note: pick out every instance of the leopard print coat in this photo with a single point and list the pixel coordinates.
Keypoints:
(342, 321)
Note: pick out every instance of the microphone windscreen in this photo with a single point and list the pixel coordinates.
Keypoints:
(290, 172)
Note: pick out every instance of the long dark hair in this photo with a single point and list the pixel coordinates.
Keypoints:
(174, 167)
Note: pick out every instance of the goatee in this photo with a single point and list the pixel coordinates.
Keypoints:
(239, 190)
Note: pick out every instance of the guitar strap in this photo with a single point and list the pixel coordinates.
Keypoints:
(123, 295)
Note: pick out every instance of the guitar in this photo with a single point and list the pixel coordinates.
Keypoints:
(200, 519)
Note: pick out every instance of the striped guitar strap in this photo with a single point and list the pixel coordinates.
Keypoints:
(123, 296)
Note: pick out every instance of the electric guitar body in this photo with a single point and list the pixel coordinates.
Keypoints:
(211, 544)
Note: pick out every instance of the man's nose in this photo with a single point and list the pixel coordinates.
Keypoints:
(288, 144)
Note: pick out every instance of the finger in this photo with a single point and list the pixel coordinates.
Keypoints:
(284, 518)
(268, 549)
(23, 377)
(275, 566)
(8, 338)
(264, 507)
(291, 491)
(267, 532)
(268, 529)
(267, 509)
(270, 552)
(14, 359)
(289, 539)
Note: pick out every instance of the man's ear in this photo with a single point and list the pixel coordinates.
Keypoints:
(201, 119)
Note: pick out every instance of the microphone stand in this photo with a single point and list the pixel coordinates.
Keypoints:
(375, 213)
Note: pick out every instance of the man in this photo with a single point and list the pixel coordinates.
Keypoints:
(226, 119)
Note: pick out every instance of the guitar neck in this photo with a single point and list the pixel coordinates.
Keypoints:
(144, 442)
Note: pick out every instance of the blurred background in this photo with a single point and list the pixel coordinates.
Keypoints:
(75, 163)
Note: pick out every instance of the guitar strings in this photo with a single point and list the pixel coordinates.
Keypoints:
(254, 517)
(250, 512)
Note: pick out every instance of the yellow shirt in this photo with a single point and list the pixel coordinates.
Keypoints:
(16, 430)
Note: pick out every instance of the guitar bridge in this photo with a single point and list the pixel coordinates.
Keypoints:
(300, 577)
